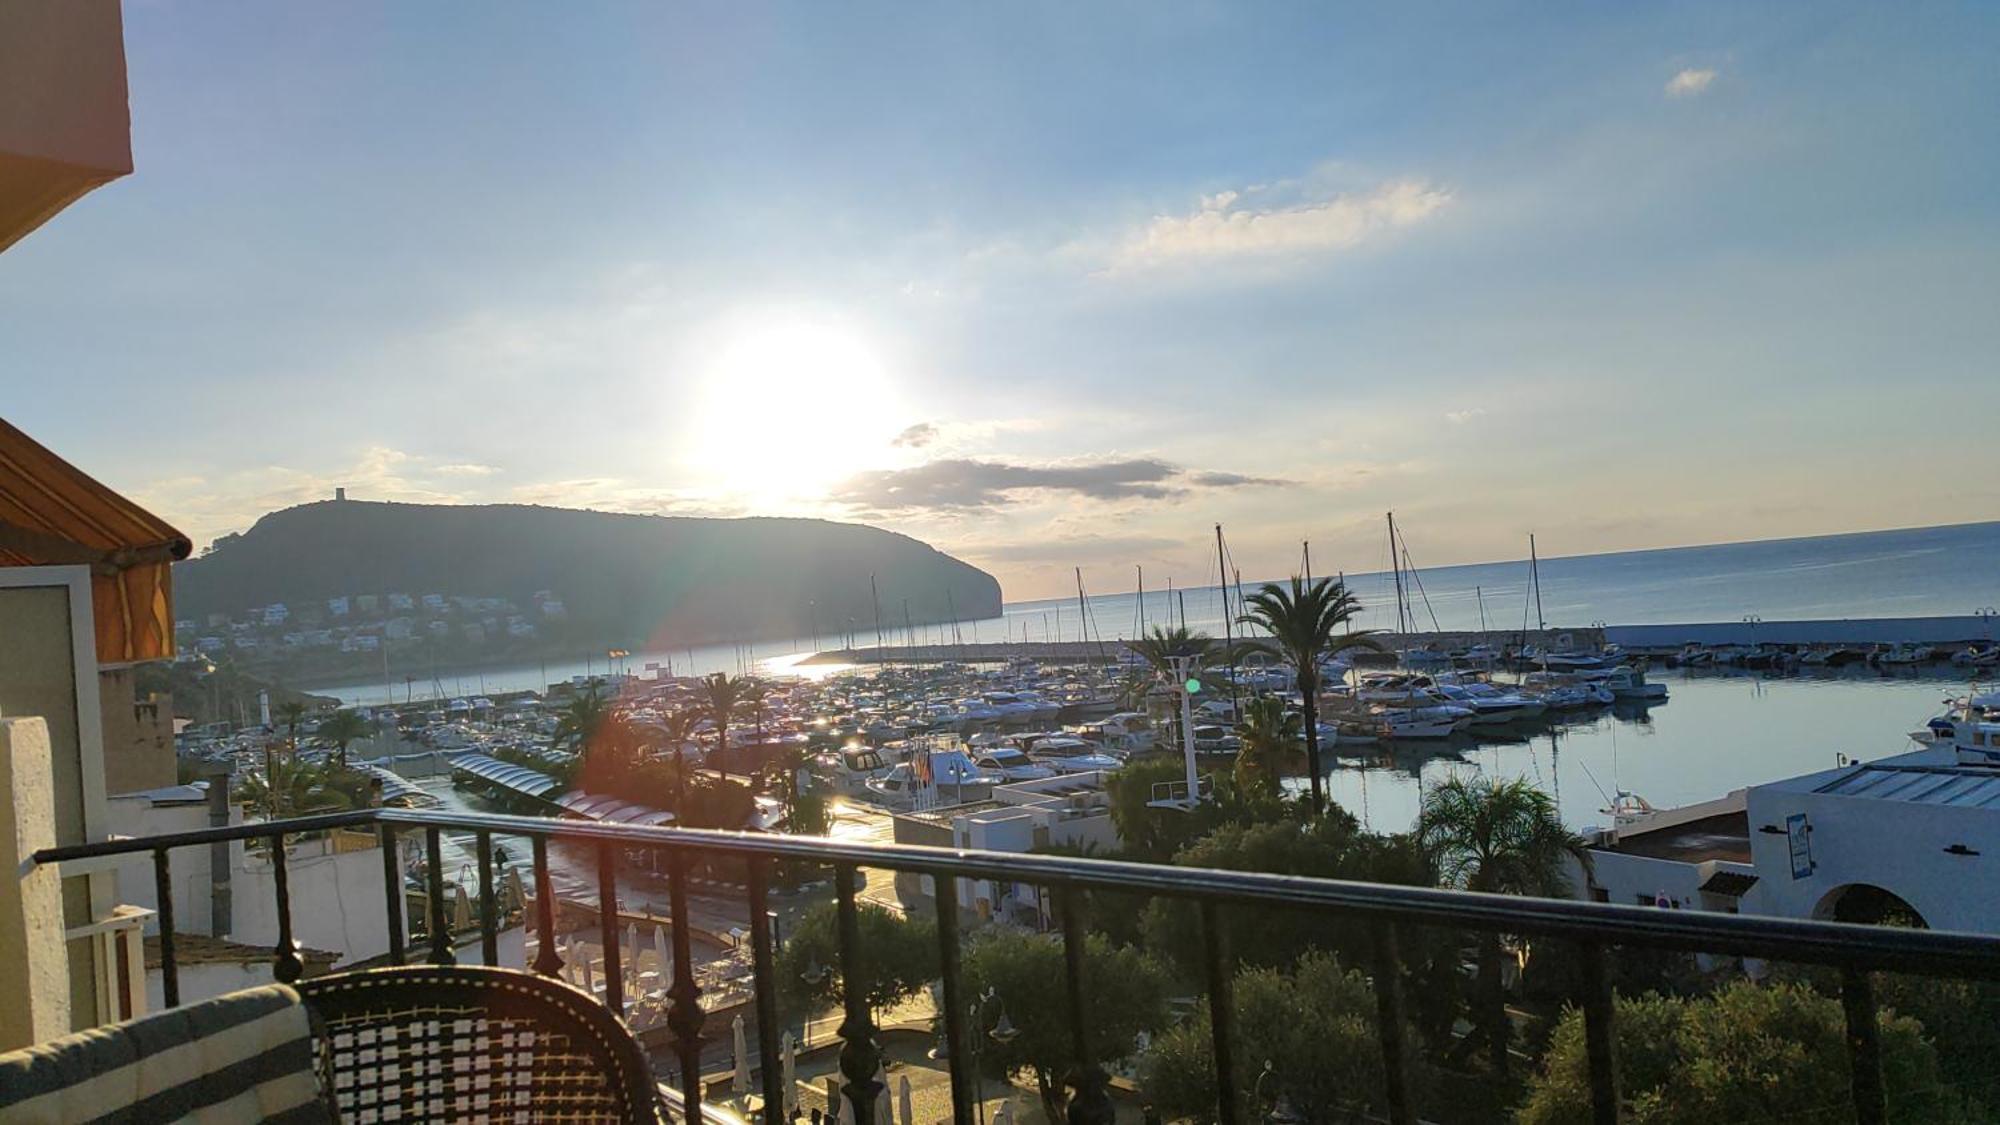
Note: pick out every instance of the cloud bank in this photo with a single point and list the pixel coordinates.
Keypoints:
(1226, 227)
(965, 483)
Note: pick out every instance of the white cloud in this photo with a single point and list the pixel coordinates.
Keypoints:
(1689, 82)
(1224, 228)
(1461, 417)
(467, 469)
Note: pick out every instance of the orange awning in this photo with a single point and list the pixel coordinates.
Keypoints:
(51, 514)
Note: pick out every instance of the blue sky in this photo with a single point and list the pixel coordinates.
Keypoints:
(1046, 285)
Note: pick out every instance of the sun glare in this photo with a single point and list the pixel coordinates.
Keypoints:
(790, 406)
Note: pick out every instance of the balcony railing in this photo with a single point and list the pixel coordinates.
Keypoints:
(1856, 951)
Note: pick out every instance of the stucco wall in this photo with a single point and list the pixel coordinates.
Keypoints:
(1896, 845)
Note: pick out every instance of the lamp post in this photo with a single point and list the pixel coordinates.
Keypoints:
(1186, 669)
(814, 975)
(1002, 1032)
(1257, 1089)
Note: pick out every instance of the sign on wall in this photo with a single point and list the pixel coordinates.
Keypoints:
(1798, 834)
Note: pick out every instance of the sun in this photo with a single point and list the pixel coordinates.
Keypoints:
(788, 406)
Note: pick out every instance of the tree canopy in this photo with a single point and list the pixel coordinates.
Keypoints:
(1124, 991)
(898, 956)
(1313, 1024)
(1747, 1053)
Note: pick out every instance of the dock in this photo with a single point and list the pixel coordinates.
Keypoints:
(1113, 650)
(1656, 640)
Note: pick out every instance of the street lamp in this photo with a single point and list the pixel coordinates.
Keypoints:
(815, 974)
(1257, 1089)
(1002, 1032)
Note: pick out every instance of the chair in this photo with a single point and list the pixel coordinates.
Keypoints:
(244, 1057)
(461, 1043)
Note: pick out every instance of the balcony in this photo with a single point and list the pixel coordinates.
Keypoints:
(1591, 933)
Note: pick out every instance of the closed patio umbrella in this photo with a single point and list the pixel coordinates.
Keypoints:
(739, 1081)
(660, 951)
(791, 1072)
(903, 1113)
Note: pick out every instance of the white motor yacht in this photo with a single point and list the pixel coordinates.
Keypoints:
(1065, 754)
(1012, 764)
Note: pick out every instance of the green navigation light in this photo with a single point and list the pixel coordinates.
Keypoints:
(1193, 685)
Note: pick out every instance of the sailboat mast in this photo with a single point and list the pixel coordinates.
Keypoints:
(1228, 641)
(876, 597)
(1396, 571)
(1535, 572)
(1306, 557)
(1140, 623)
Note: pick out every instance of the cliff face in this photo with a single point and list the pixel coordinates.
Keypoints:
(639, 580)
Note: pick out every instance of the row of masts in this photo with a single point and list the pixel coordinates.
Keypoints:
(1405, 580)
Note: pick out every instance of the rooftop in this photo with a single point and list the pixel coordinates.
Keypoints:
(1723, 836)
(1959, 786)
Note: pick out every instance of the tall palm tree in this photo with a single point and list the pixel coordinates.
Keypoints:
(1302, 623)
(290, 714)
(676, 731)
(341, 728)
(1502, 837)
(721, 695)
(1271, 743)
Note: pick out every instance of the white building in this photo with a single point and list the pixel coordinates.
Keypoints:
(1066, 811)
(1915, 835)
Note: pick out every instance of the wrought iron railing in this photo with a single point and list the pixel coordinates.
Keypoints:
(1856, 951)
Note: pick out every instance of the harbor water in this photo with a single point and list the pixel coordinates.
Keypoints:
(1717, 732)
(1907, 573)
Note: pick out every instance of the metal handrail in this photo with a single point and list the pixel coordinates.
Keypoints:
(1931, 952)
(1856, 950)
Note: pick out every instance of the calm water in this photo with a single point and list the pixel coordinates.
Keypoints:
(1916, 573)
(1922, 572)
(1716, 733)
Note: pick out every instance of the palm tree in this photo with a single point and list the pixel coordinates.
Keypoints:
(676, 731)
(1502, 837)
(1270, 743)
(290, 715)
(289, 787)
(1160, 647)
(1303, 626)
(583, 717)
(341, 728)
(721, 695)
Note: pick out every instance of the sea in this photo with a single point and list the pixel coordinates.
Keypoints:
(1718, 731)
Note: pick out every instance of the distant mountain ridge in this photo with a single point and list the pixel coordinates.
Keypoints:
(636, 580)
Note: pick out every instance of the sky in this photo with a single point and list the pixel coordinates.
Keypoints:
(1046, 285)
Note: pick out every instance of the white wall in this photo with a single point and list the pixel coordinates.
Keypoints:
(337, 903)
(1896, 845)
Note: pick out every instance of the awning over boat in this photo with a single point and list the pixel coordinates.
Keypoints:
(52, 514)
(507, 775)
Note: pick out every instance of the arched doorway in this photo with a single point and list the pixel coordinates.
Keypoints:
(1868, 905)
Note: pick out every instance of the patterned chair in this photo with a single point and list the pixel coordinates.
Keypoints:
(247, 1056)
(465, 1043)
